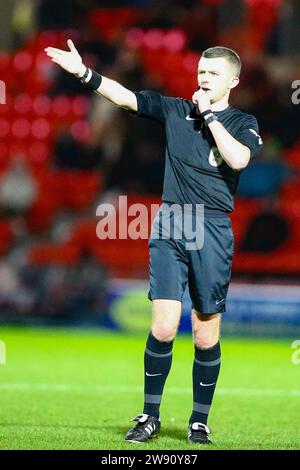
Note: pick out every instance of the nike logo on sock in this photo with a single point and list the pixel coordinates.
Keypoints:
(207, 385)
(151, 375)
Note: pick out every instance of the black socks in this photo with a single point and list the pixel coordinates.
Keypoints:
(206, 369)
(157, 361)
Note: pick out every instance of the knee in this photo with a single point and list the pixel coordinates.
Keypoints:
(205, 342)
(205, 339)
(164, 332)
(165, 319)
(206, 329)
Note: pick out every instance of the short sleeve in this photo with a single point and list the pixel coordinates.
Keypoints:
(153, 105)
(248, 134)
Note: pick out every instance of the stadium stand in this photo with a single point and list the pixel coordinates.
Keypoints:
(140, 48)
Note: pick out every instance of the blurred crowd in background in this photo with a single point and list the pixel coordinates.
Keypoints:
(64, 150)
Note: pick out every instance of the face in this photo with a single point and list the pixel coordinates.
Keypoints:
(216, 75)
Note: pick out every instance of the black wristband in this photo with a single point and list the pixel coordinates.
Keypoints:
(84, 77)
(95, 80)
(210, 119)
(208, 111)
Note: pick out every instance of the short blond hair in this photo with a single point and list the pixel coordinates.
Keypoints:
(226, 53)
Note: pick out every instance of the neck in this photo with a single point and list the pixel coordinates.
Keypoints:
(221, 104)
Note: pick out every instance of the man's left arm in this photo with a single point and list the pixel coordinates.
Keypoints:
(237, 150)
(235, 154)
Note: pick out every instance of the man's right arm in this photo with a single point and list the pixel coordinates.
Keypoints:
(117, 94)
(71, 61)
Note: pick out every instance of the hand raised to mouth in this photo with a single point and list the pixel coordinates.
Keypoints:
(201, 98)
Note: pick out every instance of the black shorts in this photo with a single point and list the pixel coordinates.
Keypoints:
(206, 269)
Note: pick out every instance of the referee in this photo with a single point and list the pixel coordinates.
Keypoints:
(208, 144)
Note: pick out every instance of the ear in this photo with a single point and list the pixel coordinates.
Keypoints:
(234, 82)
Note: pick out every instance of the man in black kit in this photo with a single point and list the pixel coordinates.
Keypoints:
(208, 143)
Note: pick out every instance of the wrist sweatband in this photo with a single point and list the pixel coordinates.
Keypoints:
(208, 111)
(208, 119)
(84, 77)
(95, 80)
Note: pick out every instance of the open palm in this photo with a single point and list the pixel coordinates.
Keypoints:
(70, 61)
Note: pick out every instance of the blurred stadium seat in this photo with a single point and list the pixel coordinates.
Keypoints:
(38, 109)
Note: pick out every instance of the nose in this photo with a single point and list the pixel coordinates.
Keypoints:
(204, 84)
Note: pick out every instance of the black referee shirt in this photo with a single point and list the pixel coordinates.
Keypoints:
(195, 172)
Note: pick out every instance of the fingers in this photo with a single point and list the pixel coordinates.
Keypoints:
(53, 54)
(53, 49)
(56, 61)
(71, 45)
(198, 95)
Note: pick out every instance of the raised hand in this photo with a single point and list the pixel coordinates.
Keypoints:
(201, 98)
(70, 61)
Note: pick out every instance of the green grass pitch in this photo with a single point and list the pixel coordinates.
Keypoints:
(66, 389)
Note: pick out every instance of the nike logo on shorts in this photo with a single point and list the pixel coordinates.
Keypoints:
(152, 375)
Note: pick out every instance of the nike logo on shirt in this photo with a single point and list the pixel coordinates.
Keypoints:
(189, 118)
(152, 375)
(207, 385)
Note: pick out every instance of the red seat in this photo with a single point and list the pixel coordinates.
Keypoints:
(84, 234)
(41, 214)
(290, 190)
(122, 257)
(112, 21)
(49, 253)
(78, 188)
(293, 155)
(283, 261)
(126, 258)
(244, 211)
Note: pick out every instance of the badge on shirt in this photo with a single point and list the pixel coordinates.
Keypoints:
(257, 135)
(215, 158)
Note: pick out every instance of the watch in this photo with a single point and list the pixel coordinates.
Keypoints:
(209, 117)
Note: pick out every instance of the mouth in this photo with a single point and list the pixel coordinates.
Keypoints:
(205, 88)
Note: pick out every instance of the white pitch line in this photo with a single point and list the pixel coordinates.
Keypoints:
(69, 388)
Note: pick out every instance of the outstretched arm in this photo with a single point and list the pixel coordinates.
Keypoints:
(71, 61)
